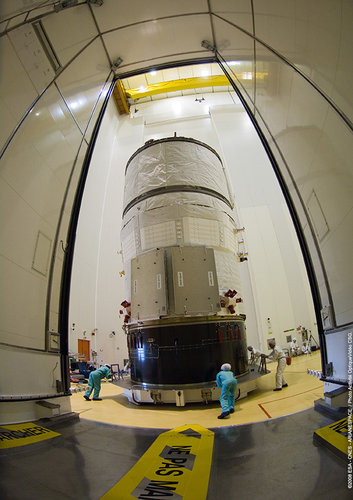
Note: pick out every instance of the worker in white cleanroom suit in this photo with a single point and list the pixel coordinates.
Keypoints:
(294, 348)
(306, 348)
(94, 382)
(278, 355)
(228, 382)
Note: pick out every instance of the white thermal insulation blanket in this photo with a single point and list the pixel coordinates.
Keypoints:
(171, 163)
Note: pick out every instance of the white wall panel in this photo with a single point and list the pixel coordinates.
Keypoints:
(268, 273)
(17, 91)
(117, 13)
(34, 175)
(337, 253)
(78, 26)
(234, 45)
(156, 42)
(39, 174)
(45, 384)
(317, 37)
(23, 316)
(39, 159)
(256, 189)
(318, 147)
(97, 287)
(32, 56)
(237, 11)
(311, 141)
(81, 83)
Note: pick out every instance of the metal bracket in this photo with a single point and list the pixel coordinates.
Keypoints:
(329, 369)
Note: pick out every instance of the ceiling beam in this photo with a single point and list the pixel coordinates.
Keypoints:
(120, 98)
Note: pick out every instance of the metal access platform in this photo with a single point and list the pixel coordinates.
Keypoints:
(186, 393)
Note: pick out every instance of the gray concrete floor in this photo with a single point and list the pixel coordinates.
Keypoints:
(275, 459)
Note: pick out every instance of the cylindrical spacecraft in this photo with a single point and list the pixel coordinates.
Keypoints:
(180, 253)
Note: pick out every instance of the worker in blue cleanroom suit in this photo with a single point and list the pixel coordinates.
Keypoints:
(94, 382)
(228, 382)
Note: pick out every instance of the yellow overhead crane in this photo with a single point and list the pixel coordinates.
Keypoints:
(121, 94)
(175, 85)
(120, 98)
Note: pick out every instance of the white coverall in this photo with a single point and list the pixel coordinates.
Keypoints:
(294, 347)
(306, 349)
(278, 355)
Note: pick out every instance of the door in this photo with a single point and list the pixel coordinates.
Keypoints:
(84, 350)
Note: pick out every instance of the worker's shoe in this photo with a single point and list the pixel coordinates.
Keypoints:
(87, 398)
(223, 414)
(278, 389)
(97, 399)
(284, 385)
(231, 410)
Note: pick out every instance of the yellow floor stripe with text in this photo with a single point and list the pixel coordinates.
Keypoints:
(176, 466)
(336, 435)
(22, 434)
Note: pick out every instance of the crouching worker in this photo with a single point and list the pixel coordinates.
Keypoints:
(94, 382)
(228, 382)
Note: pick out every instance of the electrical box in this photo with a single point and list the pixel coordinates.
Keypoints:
(148, 286)
(193, 287)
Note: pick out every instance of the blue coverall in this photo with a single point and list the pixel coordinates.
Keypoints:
(228, 382)
(94, 381)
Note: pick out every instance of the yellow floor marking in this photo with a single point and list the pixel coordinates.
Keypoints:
(22, 434)
(176, 466)
(336, 435)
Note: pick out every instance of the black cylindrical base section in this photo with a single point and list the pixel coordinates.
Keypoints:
(178, 354)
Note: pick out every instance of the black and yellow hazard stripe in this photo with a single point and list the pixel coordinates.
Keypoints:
(22, 434)
(335, 437)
